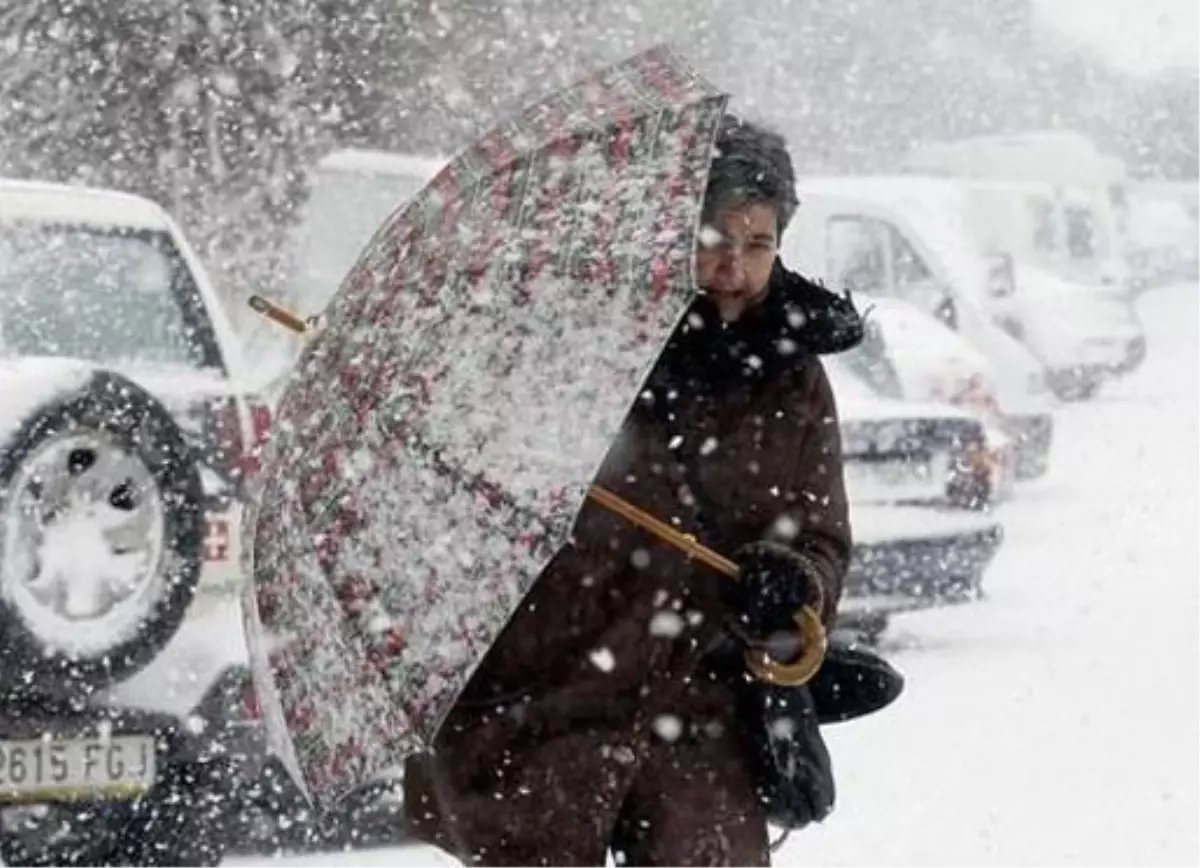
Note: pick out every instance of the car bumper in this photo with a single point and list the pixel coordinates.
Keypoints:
(193, 771)
(914, 559)
(1100, 361)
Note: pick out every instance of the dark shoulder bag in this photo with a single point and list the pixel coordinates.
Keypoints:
(791, 764)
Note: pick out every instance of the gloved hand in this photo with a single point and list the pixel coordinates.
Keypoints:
(775, 582)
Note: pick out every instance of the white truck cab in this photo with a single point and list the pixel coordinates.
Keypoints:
(353, 192)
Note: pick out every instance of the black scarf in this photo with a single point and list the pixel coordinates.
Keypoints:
(797, 320)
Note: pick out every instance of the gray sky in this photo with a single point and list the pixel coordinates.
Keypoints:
(1142, 36)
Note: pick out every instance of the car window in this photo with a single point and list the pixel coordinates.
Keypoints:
(111, 297)
(856, 254)
(870, 362)
(1081, 232)
(1045, 225)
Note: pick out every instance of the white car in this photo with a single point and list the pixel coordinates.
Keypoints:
(1162, 238)
(917, 357)
(915, 493)
(123, 442)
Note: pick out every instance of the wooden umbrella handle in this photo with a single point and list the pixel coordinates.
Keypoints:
(686, 543)
(278, 313)
(812, 631)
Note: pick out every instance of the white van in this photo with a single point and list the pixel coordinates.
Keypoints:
(352, 191)
(1049, 197)
(908, 237)
(1072, 231)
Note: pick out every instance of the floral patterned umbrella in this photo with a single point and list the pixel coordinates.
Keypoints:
(438, 434)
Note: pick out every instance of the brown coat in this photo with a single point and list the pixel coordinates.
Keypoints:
(594, 720)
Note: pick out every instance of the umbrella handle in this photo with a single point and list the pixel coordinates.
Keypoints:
(761, 664)
(278, 313)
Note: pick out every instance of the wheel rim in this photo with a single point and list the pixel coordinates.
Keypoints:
(84, 543)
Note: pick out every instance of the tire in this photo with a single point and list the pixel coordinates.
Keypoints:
(129, 436)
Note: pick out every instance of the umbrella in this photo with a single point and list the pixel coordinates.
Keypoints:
(437, 436)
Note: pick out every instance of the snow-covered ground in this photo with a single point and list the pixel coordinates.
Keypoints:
(1055, 722)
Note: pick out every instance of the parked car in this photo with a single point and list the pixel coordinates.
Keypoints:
(909, 354)
(1105, 333)
(915, 488)
(123, 440)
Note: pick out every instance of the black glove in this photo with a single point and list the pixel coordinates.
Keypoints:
(774, 583)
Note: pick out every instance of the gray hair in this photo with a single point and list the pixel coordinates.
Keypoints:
(751, 164)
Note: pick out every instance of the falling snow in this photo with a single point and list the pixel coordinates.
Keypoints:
(275, 147)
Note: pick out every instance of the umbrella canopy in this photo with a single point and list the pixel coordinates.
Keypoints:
(437, 436)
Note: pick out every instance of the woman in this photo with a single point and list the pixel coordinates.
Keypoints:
(605, 715)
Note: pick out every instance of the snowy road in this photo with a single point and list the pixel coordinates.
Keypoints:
(1055, 722)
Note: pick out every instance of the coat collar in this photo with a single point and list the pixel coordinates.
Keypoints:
(797, 320)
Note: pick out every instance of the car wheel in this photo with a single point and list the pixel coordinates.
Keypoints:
(101, 536)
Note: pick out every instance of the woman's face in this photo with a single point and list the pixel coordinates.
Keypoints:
(734, 257)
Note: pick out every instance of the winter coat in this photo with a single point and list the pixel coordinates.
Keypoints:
(599, 717)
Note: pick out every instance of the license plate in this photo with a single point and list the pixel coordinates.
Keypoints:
(118, 766)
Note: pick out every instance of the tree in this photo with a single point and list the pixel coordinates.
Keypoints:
(196, 106)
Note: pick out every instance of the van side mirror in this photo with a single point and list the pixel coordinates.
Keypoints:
(1001, 275)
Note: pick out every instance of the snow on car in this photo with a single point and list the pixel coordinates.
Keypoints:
(123, 440)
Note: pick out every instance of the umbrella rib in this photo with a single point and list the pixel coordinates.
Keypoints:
(477, 483)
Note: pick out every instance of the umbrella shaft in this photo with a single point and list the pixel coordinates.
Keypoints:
(684, 542)
(278, 314)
